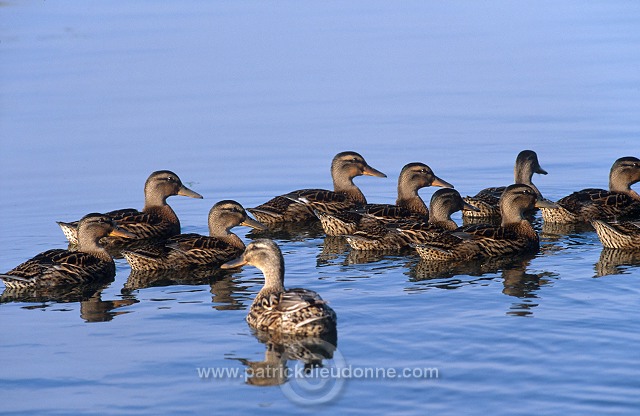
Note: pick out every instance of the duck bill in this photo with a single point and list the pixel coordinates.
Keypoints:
(469, 207)
(541, 171)
(440, 182)
(239, 262)
(184, 191)
(545, 203)
(119, 232)
(369, 171)
(250, 222)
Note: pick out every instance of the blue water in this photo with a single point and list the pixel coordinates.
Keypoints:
(247, 100)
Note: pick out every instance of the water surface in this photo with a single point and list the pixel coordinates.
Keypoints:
(247, 100)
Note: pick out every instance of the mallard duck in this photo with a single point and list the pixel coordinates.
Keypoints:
(487, 200)
(275, 309)
(514, 235)
(156, 220)
(413, 177)
(192, 250)
(624, 234)
(288, 208)
(377, 235)
(619, 202)
(89, 263)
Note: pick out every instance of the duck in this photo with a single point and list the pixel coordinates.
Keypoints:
(514, 235)
(409, 204)
(624, 234)
(279, 310)
(393, 235)
(195, 250)
(618, 203)
(156, 220)
(297, 206)
(88, 263)
(487, 200)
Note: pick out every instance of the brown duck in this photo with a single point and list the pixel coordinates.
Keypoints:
(89, 263)
(156, 220)
(409, 204)
(619, 202)
(345, 195)
(514, 235)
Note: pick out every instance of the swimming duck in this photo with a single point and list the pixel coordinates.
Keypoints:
(376, 235)
(487, 200)
(619, 202)
(624, 234)
(89, 263)
(514, 235)
(413, 177)
(192, 250)
(275, 309)
(156, 220)
(288, 208)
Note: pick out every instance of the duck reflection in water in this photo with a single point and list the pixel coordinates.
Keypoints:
(515, 279)
(89, 296)
(228, 292)
(281, 349)
(617, 261)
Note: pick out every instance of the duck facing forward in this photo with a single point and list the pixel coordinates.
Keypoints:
(409, 204)
(514, 235)
(376, 235)
(276, 309)
(625, 234)
(619, 202)
(89, 263)
(195, 250)
(156, 220)
(345, 195)
(488, 200)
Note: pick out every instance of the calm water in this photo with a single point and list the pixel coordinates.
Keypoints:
(247, 100)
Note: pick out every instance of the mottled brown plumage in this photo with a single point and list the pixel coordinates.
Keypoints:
(194, 250)
(514, 235)
(156, 220)
(276, 309)
(374, 234)
(89, 263)
(619, 202)
(487, 200)
(409, 204)
(298, 205)
(624, 234)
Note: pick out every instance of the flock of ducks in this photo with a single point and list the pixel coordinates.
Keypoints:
(151, 240)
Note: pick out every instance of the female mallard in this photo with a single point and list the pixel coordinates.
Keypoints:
(276, 310)
(156, 220)
(376, 235)
(89, 263)
(487, 200)
(514, 235)
(619, 202)
(345, 195)
(193, 250)
(413, 177)
(624, 234)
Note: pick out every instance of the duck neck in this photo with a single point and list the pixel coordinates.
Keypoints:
(409, 198)
(439, 215)
(90, 245)
(223, 232)
(621, 186)
(343, 184)
(273, 277)
(524, 176)
(164, 211)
